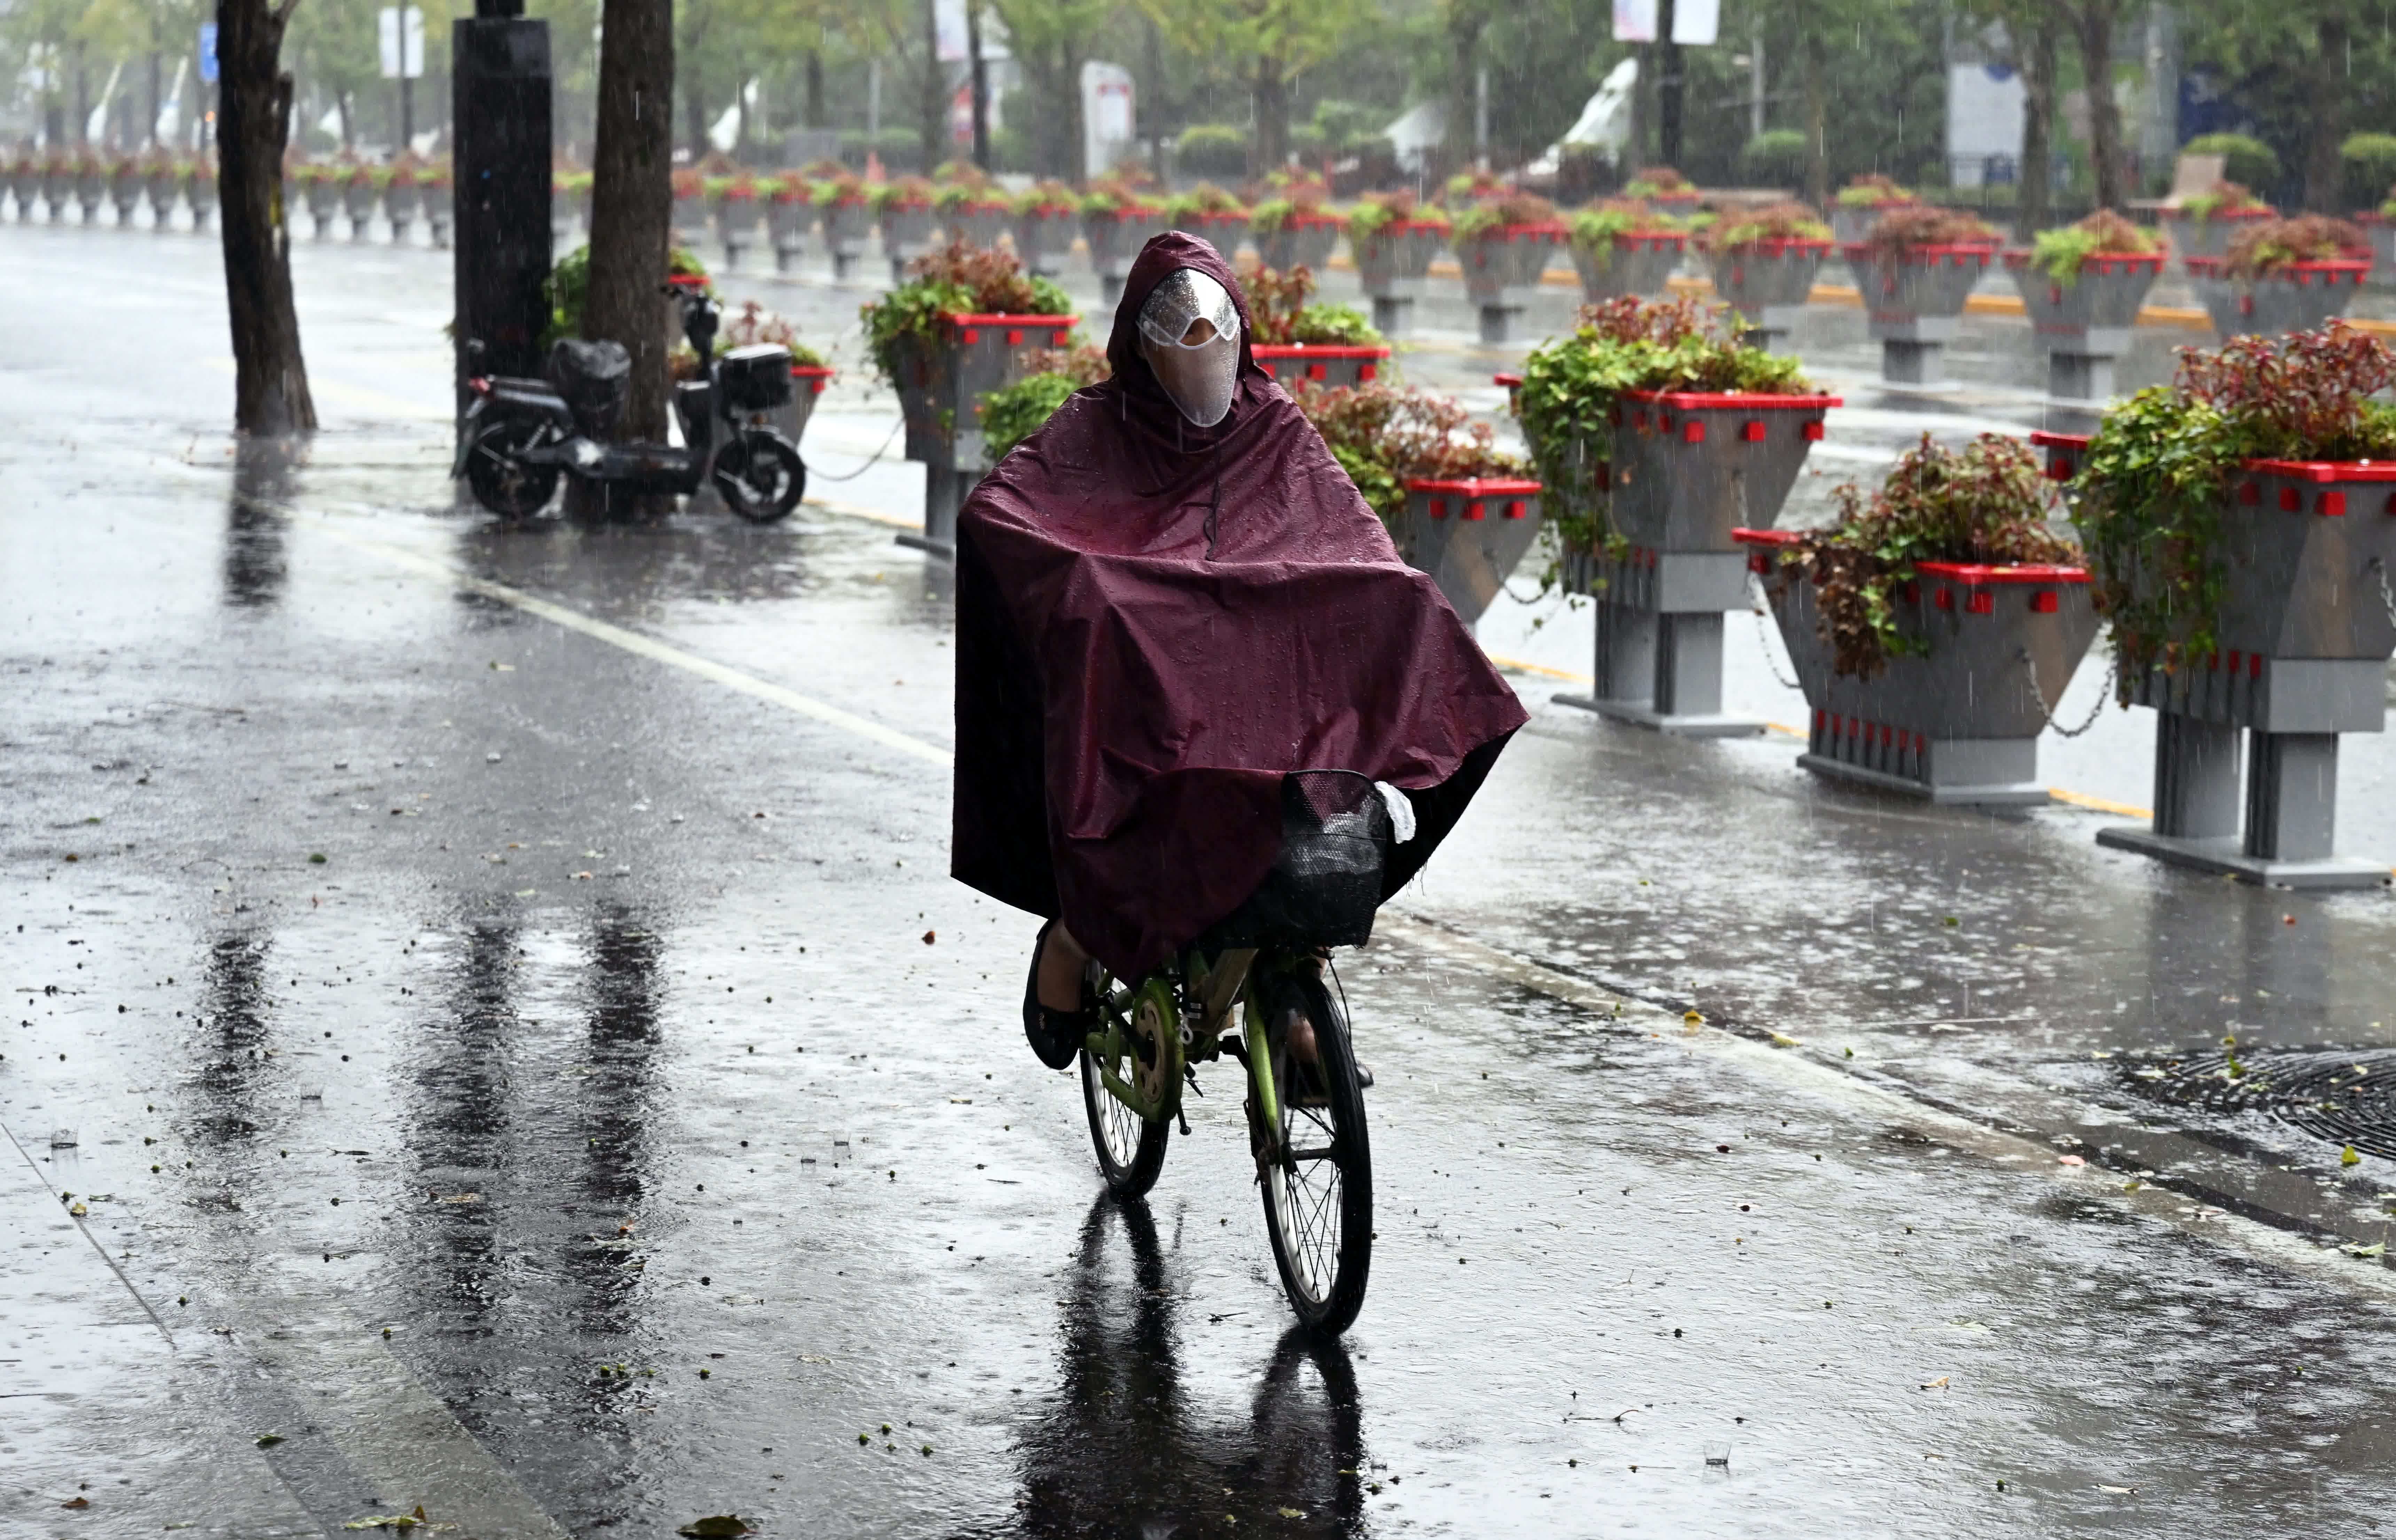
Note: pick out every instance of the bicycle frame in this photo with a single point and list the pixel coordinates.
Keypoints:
(1198, 1013)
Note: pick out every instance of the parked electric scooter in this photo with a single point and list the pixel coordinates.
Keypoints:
(519, 435)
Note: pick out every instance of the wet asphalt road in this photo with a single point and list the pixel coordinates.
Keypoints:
(534, 944)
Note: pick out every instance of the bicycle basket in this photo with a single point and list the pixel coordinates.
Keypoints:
(595, 379)
(757, 378)
(1326, 883)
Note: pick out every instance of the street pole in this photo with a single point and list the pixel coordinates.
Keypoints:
(407, 116)
(500, 91)
(980, 85)
(1668, 94)
(1755, 78)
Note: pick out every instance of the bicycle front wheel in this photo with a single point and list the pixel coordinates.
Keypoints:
(1316, 1169)
(1130, 1147)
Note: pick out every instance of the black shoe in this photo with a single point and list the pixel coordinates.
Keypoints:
(1056, 1036)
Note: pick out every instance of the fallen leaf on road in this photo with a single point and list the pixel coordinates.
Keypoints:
(268, 1440)
(76, 1503)
(722, 1525)
(1938, 1383)
(1782, 1039)
(929, 936)
(2072, 1160)
(2347, 1157)
(394, 1521)
(2377, 1248)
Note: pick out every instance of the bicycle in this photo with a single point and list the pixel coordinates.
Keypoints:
(1268, 961)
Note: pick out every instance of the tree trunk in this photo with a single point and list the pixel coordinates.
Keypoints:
(694, 106)
(253, 124)
(2037, 57)
(932, 126)
(632, 201)
(2093, 19)
(980, 85)
(349, 127)
(814, 88)
(2325, 117)
(1465, 25)
(1271, 87)
(1815, 54)
(149, 130)
(1668, 83)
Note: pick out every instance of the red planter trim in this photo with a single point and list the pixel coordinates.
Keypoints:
(1688, 401)
(1968, 574)
(2102, 261)
(2332, 270)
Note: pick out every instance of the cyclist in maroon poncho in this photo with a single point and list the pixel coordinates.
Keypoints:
(1169, 598)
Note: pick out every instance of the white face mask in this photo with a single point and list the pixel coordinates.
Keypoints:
(1190, 334)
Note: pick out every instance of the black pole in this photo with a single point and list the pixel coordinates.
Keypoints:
(407, 106)
(499, 86)
(980, 85)
(1667, 95)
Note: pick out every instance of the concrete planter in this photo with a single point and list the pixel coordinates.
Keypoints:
(1688, 469)
(737, 216)
(1223, 231)
(1115, 237)
(200, 192)
(1303, 239)
(2209, 236)
(2298, 297)
(1637, 263)
(807, 382)
(24, 182)
(2382, 233)
(165, 190)
(126, 186)
(978, 224)
(440, 206)
(2085, 325)
(2307, 625)
(402, 201)
(1851, 222)
(689, 218)
(788, 215)
(940, 395)
(1915, 296)
(324, 200)
(1959, 722)
(909, 230)
(91, 191)
(58, 191)
(1323, 364)
(1501, 272)
(1391, 261)
(847, 225)
(358, 200)
(1043, 238)
(1768, 283)
(1468, 535)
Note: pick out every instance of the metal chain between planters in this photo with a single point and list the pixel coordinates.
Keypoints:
(2387, 600)
(2030, 671)
(1762, 603)
(868, 464)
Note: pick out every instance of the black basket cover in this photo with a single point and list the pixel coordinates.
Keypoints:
(595, 377)
(757, 378)
(1326, 884)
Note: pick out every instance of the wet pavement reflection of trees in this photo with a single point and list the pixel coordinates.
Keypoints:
(1127, 1451)
(257, 518)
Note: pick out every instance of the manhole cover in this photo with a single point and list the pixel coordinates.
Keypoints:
(2347, 1097)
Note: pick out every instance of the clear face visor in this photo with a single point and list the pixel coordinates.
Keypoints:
(1190, 334)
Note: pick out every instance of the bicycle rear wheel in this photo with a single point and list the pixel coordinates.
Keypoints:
(1316, 1175)
(1130, 1147)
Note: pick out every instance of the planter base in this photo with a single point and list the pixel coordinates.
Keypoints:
(843, 265)
(785, 255)
(2081, 377)
(1393, 315)
(1111, 287)
(2222, 855)
(1501, 323)
(1638, 713)
(1981, 794)
(944, 493)
(1771, 326)
(1911, 362)
(946, 552)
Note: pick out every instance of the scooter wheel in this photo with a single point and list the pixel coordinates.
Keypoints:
(500, 479)
(760, 476)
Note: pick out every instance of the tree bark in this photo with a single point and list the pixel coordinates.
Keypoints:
(2036, 54)
(2325, 117)
(1668, 83)
(271, 395)
(980, 85)
(1465, 25)
(1271, 144)
(814, 88)
(632, 200)
(932, 125)
(694, 106)
(1816, 71)
(2093, 21)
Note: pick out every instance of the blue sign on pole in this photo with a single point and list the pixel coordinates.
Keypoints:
(209, 52)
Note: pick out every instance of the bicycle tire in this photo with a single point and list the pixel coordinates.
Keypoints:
(1130, 1149)
(1321, 1231)
(502, 482)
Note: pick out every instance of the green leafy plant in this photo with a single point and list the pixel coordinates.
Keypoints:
(2059, 253)
(1570, 385)
(1988, 502)
(1496, 215)
(1014, 412)
(1655, 180)
(1786, 220)
(1282, 309)
(2151, 487)
(1384, 436)
(1213, 148)
(2267, 245)
(954, 279)
(2227, 197)
(899, 192)
(1378, 211)
(1872, 191)
(843, 187)
(1605, 220)
(1274, 213)
(1476, 186)
(2369, 161)
(1774, 155)
(1049, 196)
(1114, 195)
(1204, 198)
(569, 281)
(2245, 158)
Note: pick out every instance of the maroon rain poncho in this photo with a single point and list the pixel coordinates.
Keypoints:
(1157, 622)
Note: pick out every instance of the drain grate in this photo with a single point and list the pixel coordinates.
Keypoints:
(2347, 1097)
